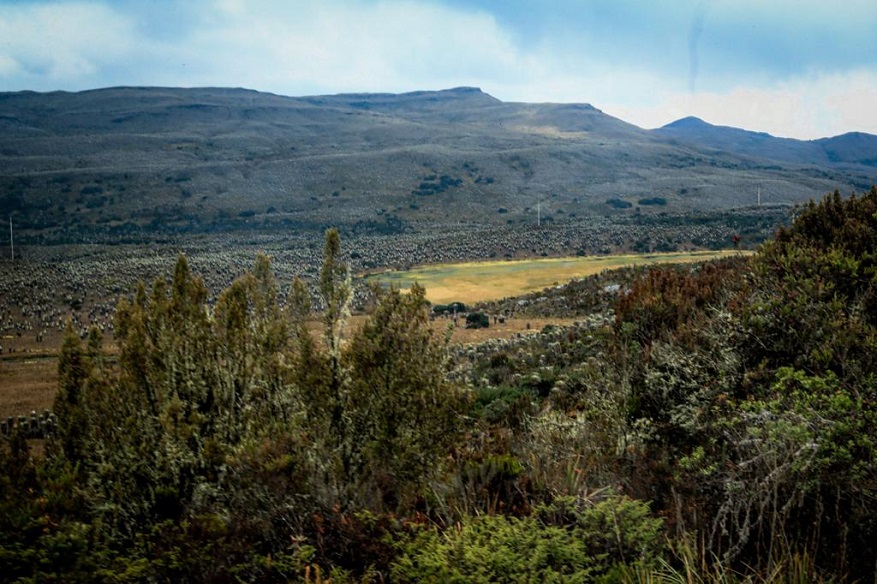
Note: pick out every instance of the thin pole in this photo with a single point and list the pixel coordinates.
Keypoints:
(11, 243)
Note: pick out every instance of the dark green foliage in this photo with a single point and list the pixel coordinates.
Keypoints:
(818, 282)
(44, 533)
(19, 511)
(452, 308)
(834, 222)
(69, 407)
(617, 529)
(653, 201)
(616, 203)
(403, 411)
(231, 444)
(336, 293)
(557, 543)
(754, 391)
(476, 320)
(496, 549)
(227, 432)
(496, 483)
(671, 300)
(496, 403)
(433, 185)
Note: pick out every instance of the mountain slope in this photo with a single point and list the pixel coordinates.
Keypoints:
(116, 162)
(854, 148)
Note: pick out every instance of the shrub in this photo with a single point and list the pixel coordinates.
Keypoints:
(653, 201)
(619, 203)
(476, 320)
(495, 549)
(559, 542)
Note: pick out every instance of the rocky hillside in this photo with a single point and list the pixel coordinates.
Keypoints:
(850, 151)
(117, 164)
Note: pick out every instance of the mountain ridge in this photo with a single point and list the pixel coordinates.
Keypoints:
(115, 161)
(850, 147)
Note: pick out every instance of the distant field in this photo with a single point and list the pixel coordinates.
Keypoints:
(29, 377)
(27, 384)
(29, 380)
(481, 281)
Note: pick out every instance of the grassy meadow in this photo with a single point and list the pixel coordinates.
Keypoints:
(28, 379)
(482, 281)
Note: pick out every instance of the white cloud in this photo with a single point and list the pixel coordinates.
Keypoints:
(806, 108)
(9, 66)
(61, 45)
(590, 53)
(338, 46)
(852, 98)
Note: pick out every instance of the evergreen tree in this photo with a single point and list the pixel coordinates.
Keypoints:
(70, 411)
(336, 294)
(310, 365)
(404, 412)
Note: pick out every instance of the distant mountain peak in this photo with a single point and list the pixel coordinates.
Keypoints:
(464, 90)
(689, 122)
(692, 124)
(453, 92)
(850, 136)
(418, 99)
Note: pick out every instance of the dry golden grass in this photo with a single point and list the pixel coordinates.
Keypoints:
(27, 384)
(510, 328)
(28, 381)
(481, 281)
(461, 335)
(29, 377)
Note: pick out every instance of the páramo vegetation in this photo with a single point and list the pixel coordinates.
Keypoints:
(720, 428)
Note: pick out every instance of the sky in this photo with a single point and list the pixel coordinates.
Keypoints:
(793, 68)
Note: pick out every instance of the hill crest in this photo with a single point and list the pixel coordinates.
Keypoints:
(124, 160)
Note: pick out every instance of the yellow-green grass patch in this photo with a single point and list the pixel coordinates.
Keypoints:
(492, 280)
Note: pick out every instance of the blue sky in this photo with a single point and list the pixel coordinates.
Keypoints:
(796, 68)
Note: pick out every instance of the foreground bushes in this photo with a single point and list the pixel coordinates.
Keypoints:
(756, 395)
(723, 429)
(557, 543)
(227, 432)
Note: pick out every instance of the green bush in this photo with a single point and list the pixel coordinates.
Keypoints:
(653, 201)
(476, 320)
(616, 203)
(495, 549)
(559, 542)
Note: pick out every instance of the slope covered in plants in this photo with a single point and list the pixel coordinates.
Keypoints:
(718, 423)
